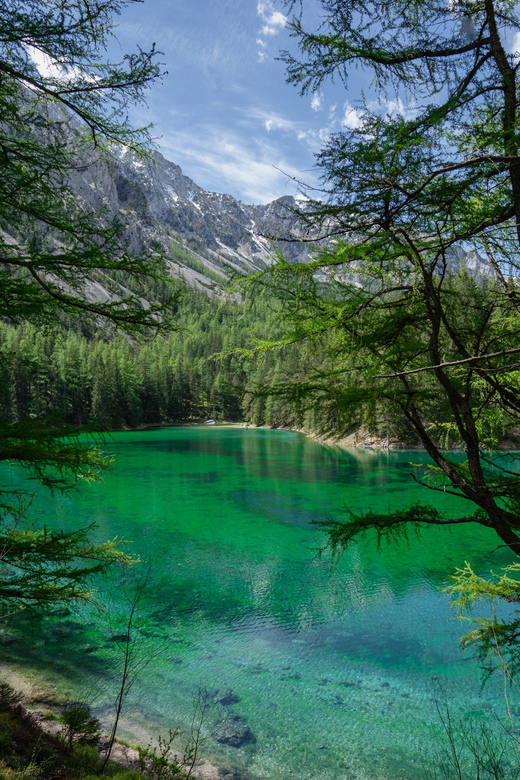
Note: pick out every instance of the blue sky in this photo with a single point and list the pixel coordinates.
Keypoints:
(224, 112)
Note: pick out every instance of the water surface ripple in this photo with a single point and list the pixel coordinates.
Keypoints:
(331, 665)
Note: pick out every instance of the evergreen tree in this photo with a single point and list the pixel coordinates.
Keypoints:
(431, 162)
(54, 121)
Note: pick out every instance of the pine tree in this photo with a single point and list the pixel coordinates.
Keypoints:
(428, 163)
(53, 122)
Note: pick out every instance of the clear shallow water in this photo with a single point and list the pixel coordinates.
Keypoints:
(331, 665)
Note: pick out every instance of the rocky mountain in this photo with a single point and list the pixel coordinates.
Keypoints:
(208, 236)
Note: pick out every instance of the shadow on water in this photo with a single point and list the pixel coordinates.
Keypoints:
(57, 644)
(384, 647)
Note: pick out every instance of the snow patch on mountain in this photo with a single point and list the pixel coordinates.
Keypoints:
(208, 236)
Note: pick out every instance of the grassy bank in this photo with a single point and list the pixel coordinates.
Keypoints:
(37, 742)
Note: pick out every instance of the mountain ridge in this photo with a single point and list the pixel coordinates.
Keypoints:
(208, 237)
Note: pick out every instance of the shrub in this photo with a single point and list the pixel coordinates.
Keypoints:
(8, 696)
(81, 727)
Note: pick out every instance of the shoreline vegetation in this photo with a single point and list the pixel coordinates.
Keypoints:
(41, 706)
(86, 379)
(358, 439)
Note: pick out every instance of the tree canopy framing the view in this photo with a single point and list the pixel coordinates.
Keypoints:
(427, 169)
(63, 103)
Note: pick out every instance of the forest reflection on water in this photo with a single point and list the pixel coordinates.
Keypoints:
(339, 657)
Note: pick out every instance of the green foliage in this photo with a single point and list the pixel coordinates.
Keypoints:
(468, 587)
(190, 260)
(407, 334)
(392, 525)
(54, 123)
(27, 751)
(38, 567)
(9, 698)
(494, 636)
(51, 451)
(165, 761)
(24, 747)
(80, 726)
(161, 763)
(472, 748)
(112, 382)
(431, 166)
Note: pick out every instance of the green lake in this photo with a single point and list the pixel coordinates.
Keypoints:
(331, 665)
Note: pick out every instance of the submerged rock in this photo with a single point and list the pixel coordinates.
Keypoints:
(224, 696)
(235, 733)
(350, 684)
(258, 669)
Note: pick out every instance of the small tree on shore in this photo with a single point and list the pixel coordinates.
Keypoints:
(80, 726)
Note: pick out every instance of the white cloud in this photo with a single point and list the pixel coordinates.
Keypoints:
(323, 134)
(351, 117)
(272, 121)
(313, 138)
(317, 101)
(218, 160)
(262, 55)
(274, 26)
(274, 21)
(397, 106)
(277, 19)
(222, 42)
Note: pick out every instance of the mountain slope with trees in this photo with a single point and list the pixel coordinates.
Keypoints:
(206, 237)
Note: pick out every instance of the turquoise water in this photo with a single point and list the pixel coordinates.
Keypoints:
(331, 666)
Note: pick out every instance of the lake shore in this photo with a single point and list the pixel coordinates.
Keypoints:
(41, 701)
(358, 439)
(362, 439)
